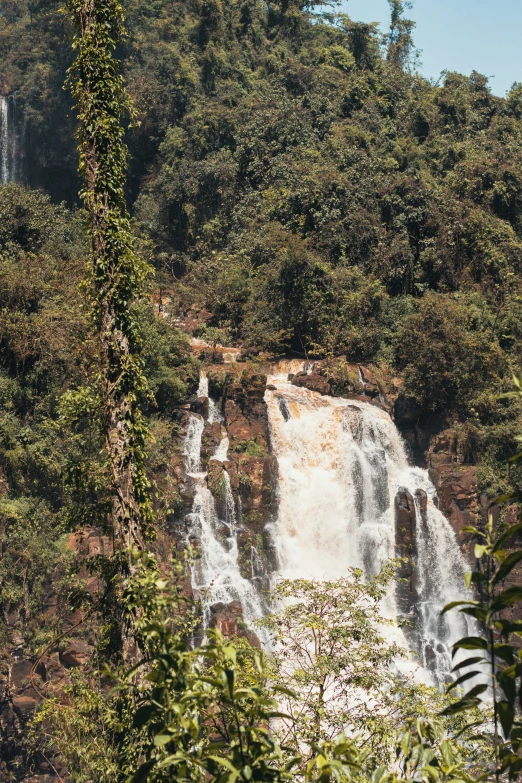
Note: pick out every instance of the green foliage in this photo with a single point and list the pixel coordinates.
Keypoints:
(82, 728)
(53, 468)
(444, 348)
(492, 661)
(302, 184)
(199, 713)
(215, 712)
(330, 653)
(250, 447)
(314, 195)
(169, 364)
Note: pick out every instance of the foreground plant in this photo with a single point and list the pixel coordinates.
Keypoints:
(495, 658)
(329, 650)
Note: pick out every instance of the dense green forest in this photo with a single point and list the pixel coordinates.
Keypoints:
(297, 189)
(310, 192)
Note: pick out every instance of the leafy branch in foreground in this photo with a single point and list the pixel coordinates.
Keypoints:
(213, 713)
(209, 713)
(494, 666)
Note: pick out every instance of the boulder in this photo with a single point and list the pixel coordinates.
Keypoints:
(312, 382)
(24, 707)
(77, 653)
(200, 405)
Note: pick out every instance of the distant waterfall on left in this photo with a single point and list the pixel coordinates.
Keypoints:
(12, 133)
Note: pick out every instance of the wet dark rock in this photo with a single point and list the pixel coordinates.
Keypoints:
(200, 405)
(406, 410)
(24, 707)
(283, 407)
(406, 549)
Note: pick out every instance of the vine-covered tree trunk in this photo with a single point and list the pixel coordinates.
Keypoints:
(118, 274)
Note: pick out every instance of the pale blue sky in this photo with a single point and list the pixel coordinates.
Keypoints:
(459, 35)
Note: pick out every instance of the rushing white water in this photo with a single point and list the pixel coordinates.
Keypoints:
(216, 575)
(203, 385)
(214, 414)
(192, 445)
(341, 464)
(4, 140)
(12, 131)
(221, 453)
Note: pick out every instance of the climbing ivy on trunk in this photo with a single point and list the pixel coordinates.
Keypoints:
(118, 274)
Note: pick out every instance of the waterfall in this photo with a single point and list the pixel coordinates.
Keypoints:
(341, 464)
(4, 140)
(12, 132)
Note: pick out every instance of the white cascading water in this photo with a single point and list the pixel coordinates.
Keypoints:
(341, 464)
(216, 576)
(12, 130)
(4, 140)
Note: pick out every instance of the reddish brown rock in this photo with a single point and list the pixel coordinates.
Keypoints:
(210, 440)
(228, 618)
(256, 479)
(245, 426)
(242, 394)
(457, 489)
(313, 382)
(347, 379)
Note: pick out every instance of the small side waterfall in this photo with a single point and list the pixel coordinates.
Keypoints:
(216, 575)
(12, 133)
(341, 465)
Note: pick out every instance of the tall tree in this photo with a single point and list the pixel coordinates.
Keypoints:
(118, 274)
(400, 39)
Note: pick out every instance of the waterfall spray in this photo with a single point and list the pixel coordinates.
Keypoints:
(4, 140)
